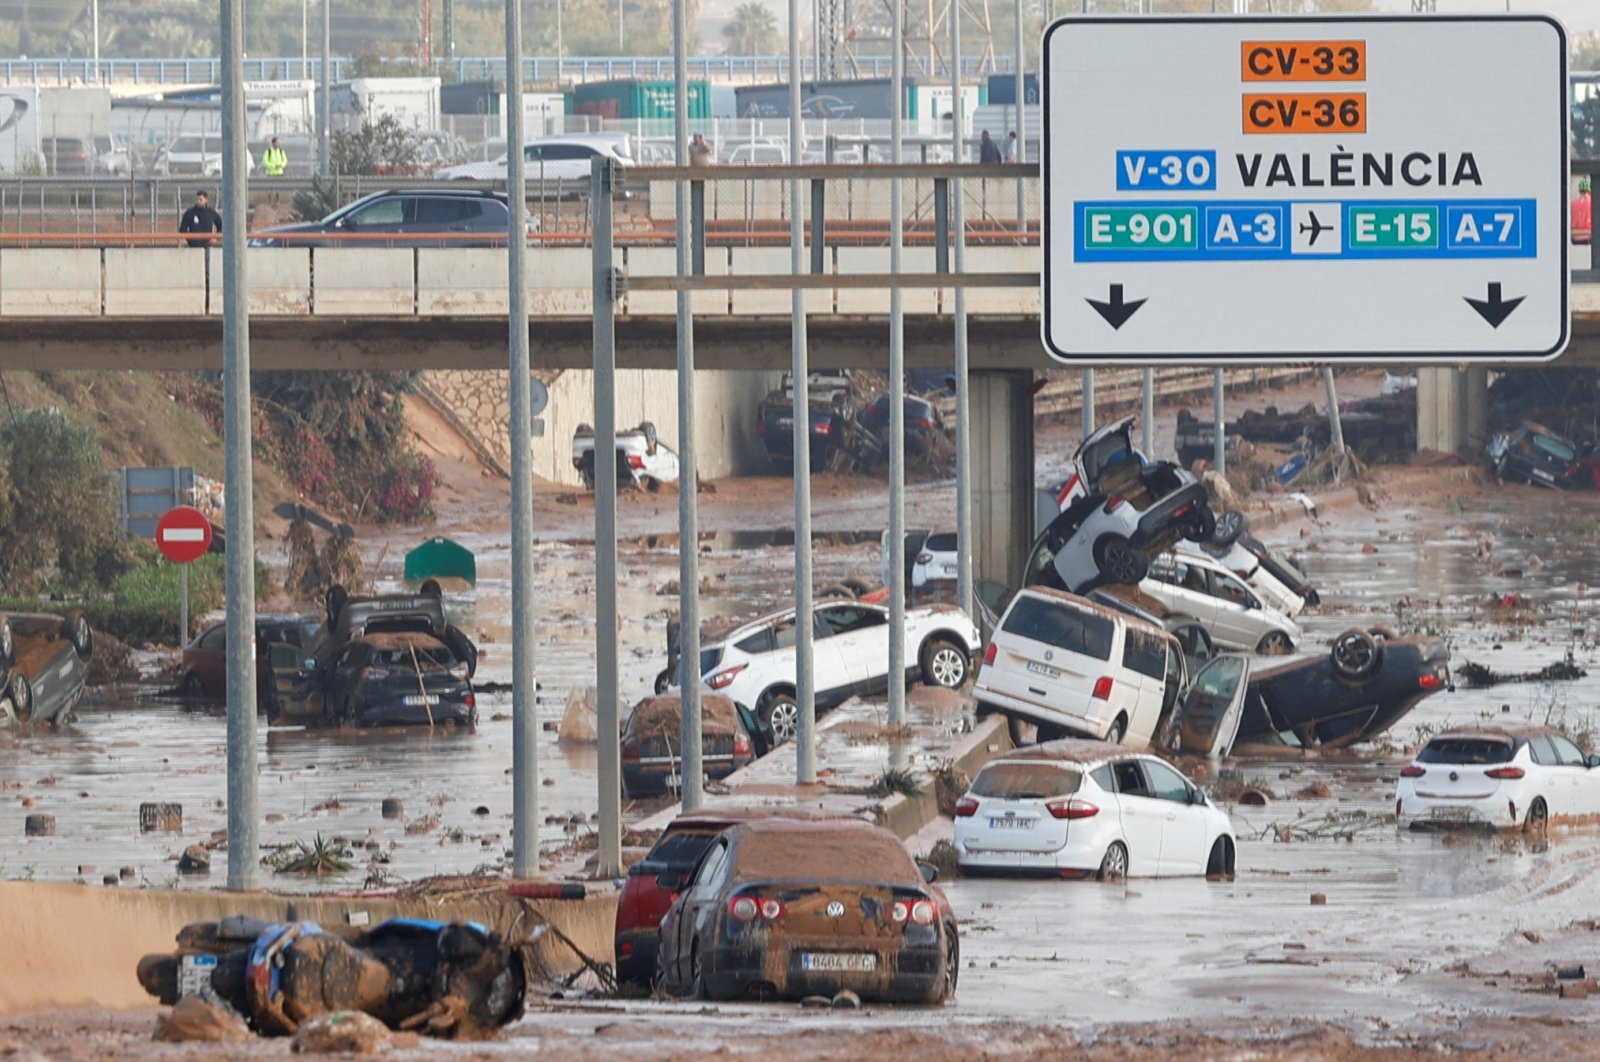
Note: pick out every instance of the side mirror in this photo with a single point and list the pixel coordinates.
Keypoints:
(930, 873)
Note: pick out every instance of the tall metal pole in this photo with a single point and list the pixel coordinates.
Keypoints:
(325, 94)
(524, 683)
(305, 42)
(1086, 401)
(1147, 421)
(958, 226)
(609, 856)
(1022, 119)
(897, 386)
(805, 751)
(688, 474)
(243, 856)
(94, 31)
(1219, 459)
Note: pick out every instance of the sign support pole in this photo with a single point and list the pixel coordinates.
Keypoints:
(805, 745)
(183, 605)
(609, 857)
(692, 733)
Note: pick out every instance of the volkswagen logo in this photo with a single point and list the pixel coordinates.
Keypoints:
(1048, 655)
(1454, 777)
(835, 909)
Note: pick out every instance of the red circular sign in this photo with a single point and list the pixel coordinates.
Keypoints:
(183, 534)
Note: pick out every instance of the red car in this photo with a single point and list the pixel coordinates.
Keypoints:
(204, 671)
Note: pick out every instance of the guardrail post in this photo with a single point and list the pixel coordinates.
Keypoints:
(819, 226)
(941, 225)
(697, 221)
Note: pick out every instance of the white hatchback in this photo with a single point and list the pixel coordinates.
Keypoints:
(754, 665)
(1081, 809)
(1193, 584)
(1499, 777)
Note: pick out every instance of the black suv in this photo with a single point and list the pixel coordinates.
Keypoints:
(438, 217)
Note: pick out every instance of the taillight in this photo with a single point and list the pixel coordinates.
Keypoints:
(743, 909)
(741, 746)
(724, 678)
(966, 807)
(630, 751)
(1505, 772)
(1430, 682)
(771, 910)
(990, 653)
(1071, 809)
(924, 558)
(1182, 512)
(823, 427)
(1102, 688)
(635, 461)
(1113, 503)
(471, 700)
(1412, 771)
(924, 423)
(919, 912)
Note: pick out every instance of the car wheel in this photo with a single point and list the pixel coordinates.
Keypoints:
(836, 590)
(1220, 862)
(21, 693)
(943, 664)
(1230, 525)
(1114, 864)
(1355, 654)
(1274, 643)
(952, 962)
(1538, 820)
(858, 586)
(75, 628)
(780, 713)
(1119, 562)
(191, 689)
(697, 979)
(8, 646)
(1384, 632)
(1201, 526)
(1119, 730)
(663, 681)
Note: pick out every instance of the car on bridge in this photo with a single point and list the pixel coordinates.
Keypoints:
(554, 166)
(433, 217)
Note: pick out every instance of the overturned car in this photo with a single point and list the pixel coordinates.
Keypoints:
(454, 980)
(43, 666)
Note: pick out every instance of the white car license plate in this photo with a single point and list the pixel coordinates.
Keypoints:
(839, 962)
(950, 569)
(1011, 824)
(418, 699)
(674, 780)
(1540, 473)
(1043, 669)
(785, 422)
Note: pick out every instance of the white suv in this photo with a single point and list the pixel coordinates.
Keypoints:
(560, 161)
(1194, 584)
(1058, 664)
(754, 665)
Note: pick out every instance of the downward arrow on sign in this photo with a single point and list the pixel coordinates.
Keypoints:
(1494, 309)
(1115, 310)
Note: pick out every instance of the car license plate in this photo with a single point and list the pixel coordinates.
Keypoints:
(674, 780)
(418, 699)
(1542, 474)
(839, 962)
(1043, 669)
(950, 569)
(785, 422)
(1011, 824)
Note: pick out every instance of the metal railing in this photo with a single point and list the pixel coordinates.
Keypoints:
(536, 69)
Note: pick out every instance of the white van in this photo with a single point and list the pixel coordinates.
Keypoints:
(1060, 665)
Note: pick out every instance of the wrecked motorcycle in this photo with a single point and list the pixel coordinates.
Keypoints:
(453, 980)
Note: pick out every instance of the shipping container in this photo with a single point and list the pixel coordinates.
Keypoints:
(631, 99)
(543, 113)
(1003, 88)
(412, 101)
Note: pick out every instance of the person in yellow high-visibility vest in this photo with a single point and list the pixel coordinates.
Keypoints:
(274, 160)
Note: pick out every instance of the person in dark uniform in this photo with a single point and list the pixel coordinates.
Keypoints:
(200, 218)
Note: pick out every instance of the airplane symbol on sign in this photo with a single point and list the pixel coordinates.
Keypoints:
(1316, 228)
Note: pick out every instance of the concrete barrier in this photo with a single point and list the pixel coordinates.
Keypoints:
(79, 946)
(356, 281)
(875, 301)
(767, 261)
(1018, 301)
(663, 262)
(53, 282)
(561, 281)
(279, 280)
(462, 281)
(154, 281)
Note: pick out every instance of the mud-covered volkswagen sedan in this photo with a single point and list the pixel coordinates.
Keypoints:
(787, 908)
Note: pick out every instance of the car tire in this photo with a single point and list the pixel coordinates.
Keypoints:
(780, 713)
(1274, 643)
(1118, 730)
(1219, 865)
(20, 690)
(75, 629)
(1114, 864)
(836, 590)
(858, 586)
(191, 689)
(1202, 526)
(1355, 654)
(943, 664)
(1384, 632)
(663, 681)
(1538, 818)
(697, 979)
(1230, 525)
(1118, 562)
(8, 646)
(952, 965)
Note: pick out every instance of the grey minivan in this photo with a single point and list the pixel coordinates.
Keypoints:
(435, 217)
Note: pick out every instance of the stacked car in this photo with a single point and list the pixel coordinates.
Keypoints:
(43, 666)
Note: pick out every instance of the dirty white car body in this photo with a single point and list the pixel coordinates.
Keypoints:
(1248, 567)
(1080, 808)
(1500, 777)
(1194, 584)
(754, 664)
(642, 458)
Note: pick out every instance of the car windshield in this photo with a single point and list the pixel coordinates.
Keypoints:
(194, 145)
(1026, 781)
(1112, 450)
(427, 657)
(1466, 750)
(941, 542)
(1059, 625)
(1557, 448)
(680, 850)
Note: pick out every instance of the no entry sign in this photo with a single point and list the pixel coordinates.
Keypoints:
(183, 534)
